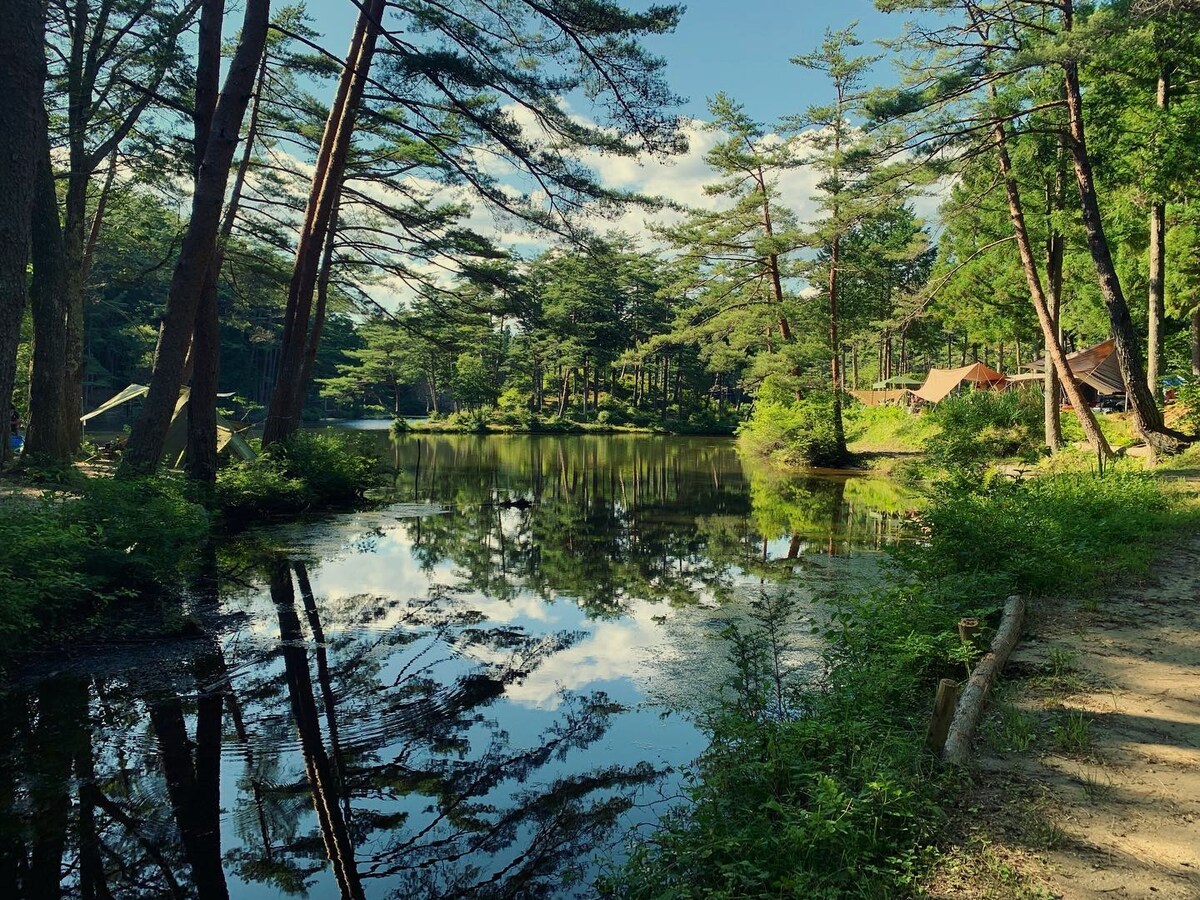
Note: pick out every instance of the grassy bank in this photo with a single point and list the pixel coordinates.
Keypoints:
(78, 553)
(822, 788)
(611, 420)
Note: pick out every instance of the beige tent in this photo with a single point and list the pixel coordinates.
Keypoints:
(940, 383)
(1096, 367)
(176, 443)
(881, 398)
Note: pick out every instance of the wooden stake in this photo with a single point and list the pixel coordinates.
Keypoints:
(943, 714)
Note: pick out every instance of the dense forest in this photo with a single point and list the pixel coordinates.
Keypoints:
(328, 259)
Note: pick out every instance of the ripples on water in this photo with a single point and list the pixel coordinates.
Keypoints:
(454, 694)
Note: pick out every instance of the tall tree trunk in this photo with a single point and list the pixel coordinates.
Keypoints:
(314, 338)
(49, 434)
(1158, 253)
(1055, 254)
(201, 457)
(1052, 387)
(1146, 414)
(1194, 334)
(287, 400)
(22, 77)
(199, 247)
(835, 356)
(1049, 332)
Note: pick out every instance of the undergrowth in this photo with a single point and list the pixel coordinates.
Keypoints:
(823, 788)
(65, 557)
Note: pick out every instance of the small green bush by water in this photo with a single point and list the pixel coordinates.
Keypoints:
(65, 556)
(980, 427)
(794, 433)
(310, 470)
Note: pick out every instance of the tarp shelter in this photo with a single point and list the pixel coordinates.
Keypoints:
(898, 381)
(1097, 367)
(176, 442)
(940, 383)
(881, 398)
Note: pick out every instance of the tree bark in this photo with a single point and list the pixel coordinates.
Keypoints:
(835, 356)
(22, 77)
(1158, 252)
(199, 247)
(1194, 333)
(1055, 252)
(1054, 349)
(1146, 414)
(314, 338)
(200, 461)
(49, 435)
(287, 400)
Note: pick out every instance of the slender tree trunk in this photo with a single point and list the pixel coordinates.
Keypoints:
(1146, 413)
(835, 370)
(314, 339)
(1194, 333)
(201, 457)
(1052, 388)
(283, 414)
(22, 76)
(1053, 348)
(49, 435)
(1158, 253)
(199, 247)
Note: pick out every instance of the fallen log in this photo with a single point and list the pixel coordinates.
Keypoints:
(975, 692)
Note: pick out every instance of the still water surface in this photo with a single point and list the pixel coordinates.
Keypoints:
(484, 688)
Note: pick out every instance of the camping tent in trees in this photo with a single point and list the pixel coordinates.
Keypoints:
(176, 443)
(941, 383)
(1097, 367)
(897, 382)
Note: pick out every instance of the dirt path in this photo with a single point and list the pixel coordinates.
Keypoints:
(1090, 760)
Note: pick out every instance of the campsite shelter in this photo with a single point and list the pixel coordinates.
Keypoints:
(176, 443)
(1096, 369)
(941, 383)
(898, 382)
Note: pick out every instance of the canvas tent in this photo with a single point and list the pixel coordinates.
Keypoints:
(897, 382)
(881, 398)
(941, 383)
(1097, 367)
(228, 437)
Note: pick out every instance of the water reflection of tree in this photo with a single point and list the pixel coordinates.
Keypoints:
(612, 519)
(367, 752)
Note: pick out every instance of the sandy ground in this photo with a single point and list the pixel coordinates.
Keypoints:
(1089, 763)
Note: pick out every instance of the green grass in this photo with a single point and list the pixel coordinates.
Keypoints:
(832, 793)
(887, 429)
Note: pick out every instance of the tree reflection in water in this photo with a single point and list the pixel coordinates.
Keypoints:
(373, 741)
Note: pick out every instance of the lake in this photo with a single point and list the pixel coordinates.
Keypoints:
(486, 686)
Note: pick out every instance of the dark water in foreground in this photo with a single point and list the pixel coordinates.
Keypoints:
(450, 696)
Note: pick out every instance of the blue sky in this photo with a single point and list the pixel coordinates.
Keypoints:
(739, 46)
(742, 47)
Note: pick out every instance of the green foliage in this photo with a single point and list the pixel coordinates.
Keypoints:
(822, 787)
(1188, 396)
(65, 556)
(887, 429)
(981, 427)
(311, 470)
(795, 433)
(1055, 535)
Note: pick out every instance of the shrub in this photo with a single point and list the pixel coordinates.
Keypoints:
(65, 556)
(982, 426)
(311, 469)
(831, 793)
(795, 434)
(1055, 535)
(886, 429)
